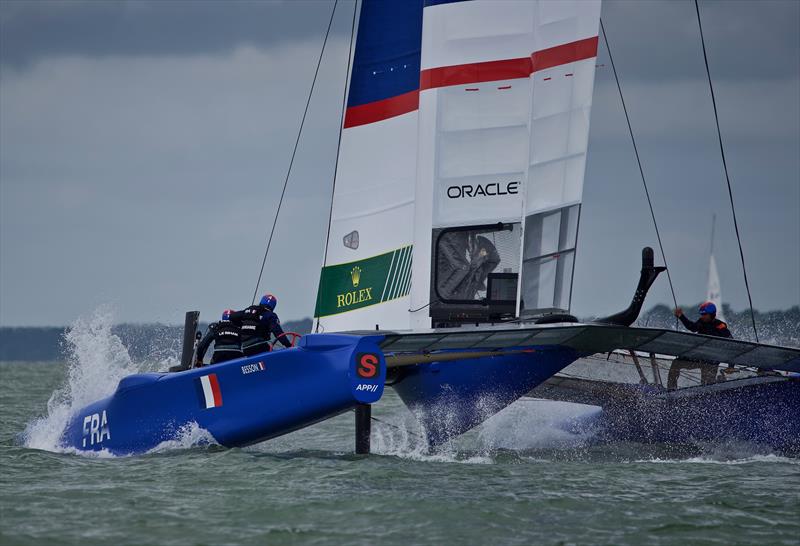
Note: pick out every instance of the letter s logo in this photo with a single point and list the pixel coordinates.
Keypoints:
(367, 365)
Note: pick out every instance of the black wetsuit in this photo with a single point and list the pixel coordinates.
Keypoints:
(227, 339)
(714, 327)
(258, 324)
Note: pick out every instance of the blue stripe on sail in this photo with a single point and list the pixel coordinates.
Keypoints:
(387, 56)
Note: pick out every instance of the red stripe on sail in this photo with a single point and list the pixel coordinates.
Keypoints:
(488, 71)
(565, 53)
(508, 69)
(381, 109)
(212, 379)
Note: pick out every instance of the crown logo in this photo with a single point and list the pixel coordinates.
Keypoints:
(355, 275)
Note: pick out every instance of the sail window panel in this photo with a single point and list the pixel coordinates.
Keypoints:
(542, 233)
(488, 107)
(554, 183)
(565, 261)
(539, 283)
(548, 259)
(482, 151)
(547, 282)
(568, 233)
(464, 259)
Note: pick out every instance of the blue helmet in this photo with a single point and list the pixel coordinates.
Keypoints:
(226, 314)
(708, 308)
(268, 300)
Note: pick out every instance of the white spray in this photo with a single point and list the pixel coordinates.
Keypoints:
(96, 360)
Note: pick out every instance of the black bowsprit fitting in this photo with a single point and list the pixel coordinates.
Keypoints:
(647, 277)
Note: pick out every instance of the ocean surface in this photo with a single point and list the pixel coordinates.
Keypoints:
(524, 477)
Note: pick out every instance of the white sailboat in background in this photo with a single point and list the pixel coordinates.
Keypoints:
(714, 292)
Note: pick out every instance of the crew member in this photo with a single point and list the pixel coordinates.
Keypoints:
(226, 335)
(258, 324)
(708, 325)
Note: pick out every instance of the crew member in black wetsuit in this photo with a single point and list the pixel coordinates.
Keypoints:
(708, 325)
(258, 324)
(227, 339)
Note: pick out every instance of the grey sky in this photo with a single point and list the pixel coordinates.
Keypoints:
(143, 146)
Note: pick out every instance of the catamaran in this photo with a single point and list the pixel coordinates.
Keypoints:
(451, 246)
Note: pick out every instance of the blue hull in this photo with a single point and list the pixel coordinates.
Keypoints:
(239, 402)
(450, 398)
(764, 413)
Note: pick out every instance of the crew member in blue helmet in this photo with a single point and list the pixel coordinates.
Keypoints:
(258, 324)
(227, 338)
(708, 325)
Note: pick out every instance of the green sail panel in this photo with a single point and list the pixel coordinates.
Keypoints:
(353, 285)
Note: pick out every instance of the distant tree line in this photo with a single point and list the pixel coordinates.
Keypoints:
(143, 341)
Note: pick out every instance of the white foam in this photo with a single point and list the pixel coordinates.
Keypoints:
(539, 424)
(189, 435)
(96, 361)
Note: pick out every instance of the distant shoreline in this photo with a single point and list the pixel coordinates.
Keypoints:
(157, 341)
(47, 344)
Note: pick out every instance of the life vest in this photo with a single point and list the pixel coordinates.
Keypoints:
(227, 336)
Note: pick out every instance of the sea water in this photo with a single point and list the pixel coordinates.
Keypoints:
(530, 475)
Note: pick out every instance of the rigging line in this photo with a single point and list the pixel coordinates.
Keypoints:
(294, 152)
(339, 141)
(641, 170)
(725, 167)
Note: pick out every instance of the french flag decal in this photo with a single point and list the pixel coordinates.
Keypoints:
(211, 394)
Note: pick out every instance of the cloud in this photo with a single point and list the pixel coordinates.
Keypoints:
(141, 180)
(33, 31)
(660, 40)
(143, 147)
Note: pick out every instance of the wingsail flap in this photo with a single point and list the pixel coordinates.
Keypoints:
(594, 338)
